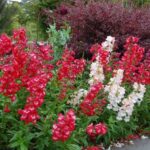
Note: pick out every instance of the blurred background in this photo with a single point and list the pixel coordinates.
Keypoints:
(29, 14)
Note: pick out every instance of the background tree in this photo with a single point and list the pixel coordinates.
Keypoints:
(35, 9)
(7, 12)
(2, 16)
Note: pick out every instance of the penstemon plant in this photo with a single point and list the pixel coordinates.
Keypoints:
(73, 104)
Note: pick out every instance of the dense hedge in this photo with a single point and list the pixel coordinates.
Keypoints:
(93, 21)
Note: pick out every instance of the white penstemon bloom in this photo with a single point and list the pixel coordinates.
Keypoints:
(116, 96)
(125, 111)
(77, 97)
(108, 45)
(115, 91)
(96, 70)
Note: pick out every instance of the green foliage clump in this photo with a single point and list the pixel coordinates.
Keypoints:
(58, 39)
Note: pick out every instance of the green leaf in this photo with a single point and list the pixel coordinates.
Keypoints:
(23, 147)
(73, 147)
(15, 144)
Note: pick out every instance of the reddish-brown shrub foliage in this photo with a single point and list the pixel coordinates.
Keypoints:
(93, 21)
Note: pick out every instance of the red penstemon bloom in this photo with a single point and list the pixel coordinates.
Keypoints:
(103, 54)
(131, 63)
(29, 114)
(25, 68)
(12, 65)
(5, 44)
(88, 106)
(90, 130)
(143, 73)
(38, 73)
(95, 130)
(62, 130)
(100, 129)
(97, 50)
(69, 69)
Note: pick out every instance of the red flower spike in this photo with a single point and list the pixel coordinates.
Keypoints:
(134, 69)
(5, 45)
(69, 69)
(23, 68)
(98, 50)
(87, 106)
(62, 130)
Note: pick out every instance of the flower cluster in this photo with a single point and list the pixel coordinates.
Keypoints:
(96, 72)
(69, 69)
(115, 91)
(88, 106)
(12, 63)
(35, 80)
(62, 130)
(125, 111)
(97, 50)
(131, 62)
(143, 73)
(5, 44)
(69, 66)
(117, 102)
(29, 114)
(101, 57)
(25, 67)
(95, 130)
(76, 98)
